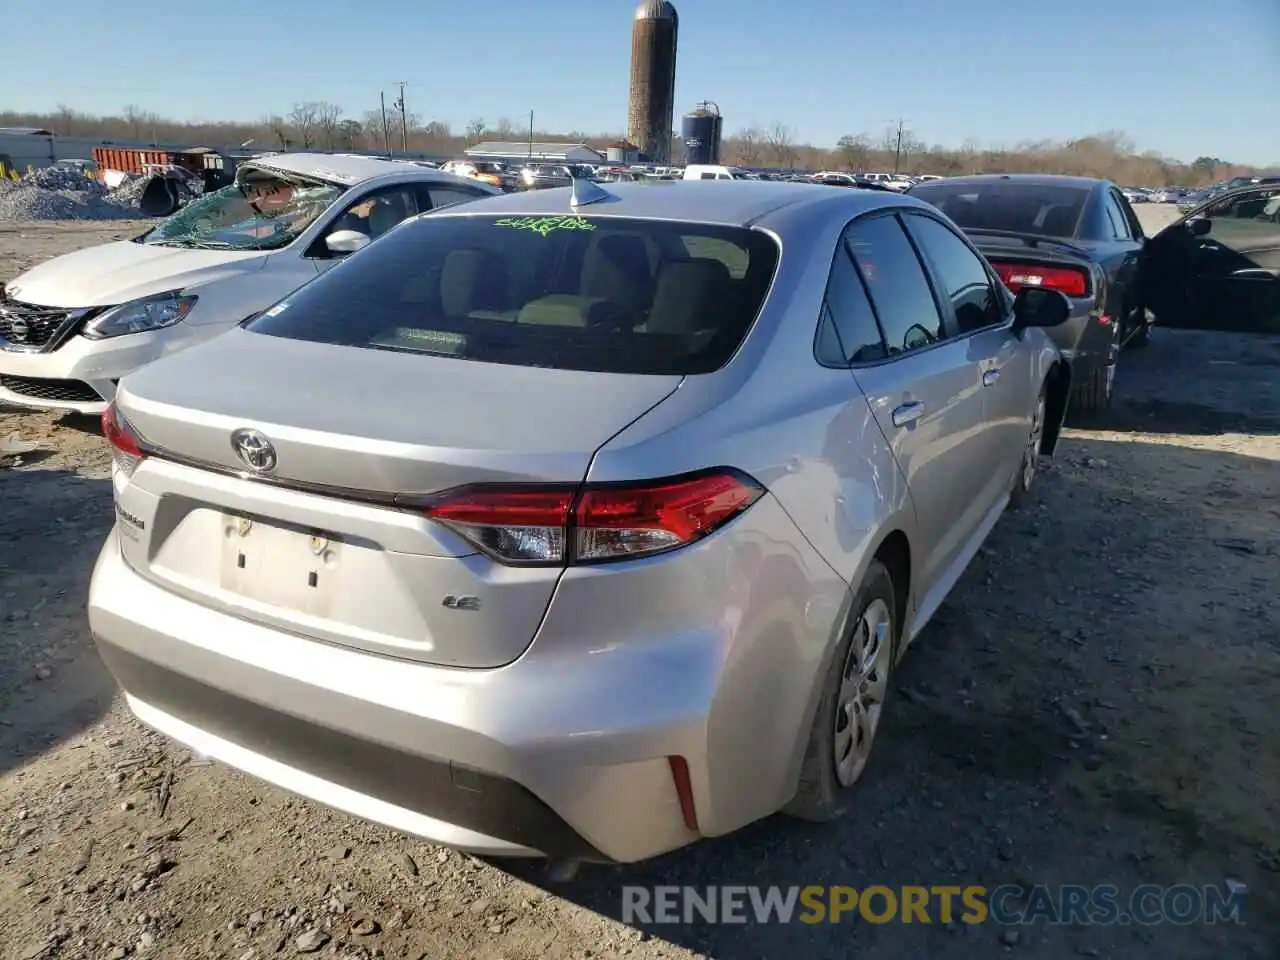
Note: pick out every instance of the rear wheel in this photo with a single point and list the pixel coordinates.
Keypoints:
(1031, 455)
(1092, 394)
(853, 697)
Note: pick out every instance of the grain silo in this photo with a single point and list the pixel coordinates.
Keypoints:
(700, 131)
(653, 78)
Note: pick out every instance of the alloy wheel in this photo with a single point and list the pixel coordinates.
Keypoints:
(863, 685)
(1031, 458)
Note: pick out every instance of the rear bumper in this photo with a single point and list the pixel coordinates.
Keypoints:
(1086, 342)
(439, 799)
(564, 752)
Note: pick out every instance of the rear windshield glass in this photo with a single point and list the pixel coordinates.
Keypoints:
(1047, 210)
(571, 292)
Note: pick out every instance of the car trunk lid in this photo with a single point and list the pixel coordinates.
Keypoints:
(328, 542)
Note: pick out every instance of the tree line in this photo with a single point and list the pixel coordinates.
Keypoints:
(322, 125)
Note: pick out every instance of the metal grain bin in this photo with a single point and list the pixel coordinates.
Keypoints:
(700, 132)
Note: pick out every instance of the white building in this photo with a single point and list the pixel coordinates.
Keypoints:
(536, 152)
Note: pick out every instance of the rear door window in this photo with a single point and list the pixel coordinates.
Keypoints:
(848, 333)
(564, 291)
(965, 285)
(1119, 223)
(447, 194)
(897, 284)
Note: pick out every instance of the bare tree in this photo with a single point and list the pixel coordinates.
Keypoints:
(506, 128)
(373, 129)
(303, 119)
(66, 120)
(781, 145)
(349, 133)
(911, 146)
(436, 135)
(411, 122)
(136, 117)
(970, 156)
(750, 146)
(475, 130)
(854, 150)
(889, 140)
(327, 117)
(279, 129)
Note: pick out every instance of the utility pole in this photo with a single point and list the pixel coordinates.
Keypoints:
(404, 122)
(531, 136)
(897, 153)
(386, 132)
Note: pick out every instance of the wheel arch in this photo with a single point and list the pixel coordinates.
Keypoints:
(894, 552)
(1058, 395)
(893, 549)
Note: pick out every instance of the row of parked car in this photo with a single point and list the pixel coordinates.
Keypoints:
(496, 524)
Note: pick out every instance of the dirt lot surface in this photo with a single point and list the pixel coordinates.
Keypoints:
(1095, 704)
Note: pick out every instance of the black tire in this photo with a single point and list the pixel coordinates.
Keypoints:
(1030, 464)
(1092, 394)
(821, 796)
(1142, 336)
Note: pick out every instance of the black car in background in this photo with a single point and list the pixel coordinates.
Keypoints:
(1077, 235)
(1218, 268)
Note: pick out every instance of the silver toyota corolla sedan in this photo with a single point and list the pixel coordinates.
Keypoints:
(575, 529)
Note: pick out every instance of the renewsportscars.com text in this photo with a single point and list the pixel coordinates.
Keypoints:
(1010, 904)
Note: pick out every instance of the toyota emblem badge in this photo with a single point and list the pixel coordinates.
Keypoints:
(255, 450)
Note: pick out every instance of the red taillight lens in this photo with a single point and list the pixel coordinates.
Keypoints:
(1068, 280)
(613, 522)
(563, 524)
(126, 451)
(510, 524)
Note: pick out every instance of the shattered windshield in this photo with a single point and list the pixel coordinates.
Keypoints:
(256, 215)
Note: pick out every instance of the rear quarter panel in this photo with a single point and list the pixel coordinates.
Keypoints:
(807, 434)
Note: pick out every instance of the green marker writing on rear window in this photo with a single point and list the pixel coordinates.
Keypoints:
(545, 225)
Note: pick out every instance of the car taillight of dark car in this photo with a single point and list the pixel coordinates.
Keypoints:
(1067, 280)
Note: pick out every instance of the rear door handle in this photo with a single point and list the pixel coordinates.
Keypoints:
(907, 414)
(990, 377)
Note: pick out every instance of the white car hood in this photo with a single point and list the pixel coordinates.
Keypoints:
(119, 272)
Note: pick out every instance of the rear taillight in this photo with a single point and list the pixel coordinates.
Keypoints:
(1068, 280)
(126, 449)
(565, 524)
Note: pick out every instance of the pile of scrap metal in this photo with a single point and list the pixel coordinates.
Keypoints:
(161, 181)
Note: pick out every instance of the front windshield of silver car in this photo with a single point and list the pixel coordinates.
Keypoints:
(255, 214)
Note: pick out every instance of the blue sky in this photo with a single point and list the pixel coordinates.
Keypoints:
(1185, 78)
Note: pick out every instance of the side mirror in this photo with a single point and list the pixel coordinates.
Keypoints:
(345, 241)
(1038, 307)
(1200, 226)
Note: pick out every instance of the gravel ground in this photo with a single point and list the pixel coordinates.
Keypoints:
(54, 194)
(1094, 704)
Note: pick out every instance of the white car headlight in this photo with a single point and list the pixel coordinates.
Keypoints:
(137, 316)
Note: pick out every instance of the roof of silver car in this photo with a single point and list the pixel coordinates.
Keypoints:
(729, 202)
(343, 168)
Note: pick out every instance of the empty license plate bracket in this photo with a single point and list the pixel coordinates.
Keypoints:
(279, 566)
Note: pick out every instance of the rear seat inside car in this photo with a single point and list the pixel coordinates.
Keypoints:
(616, 289)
